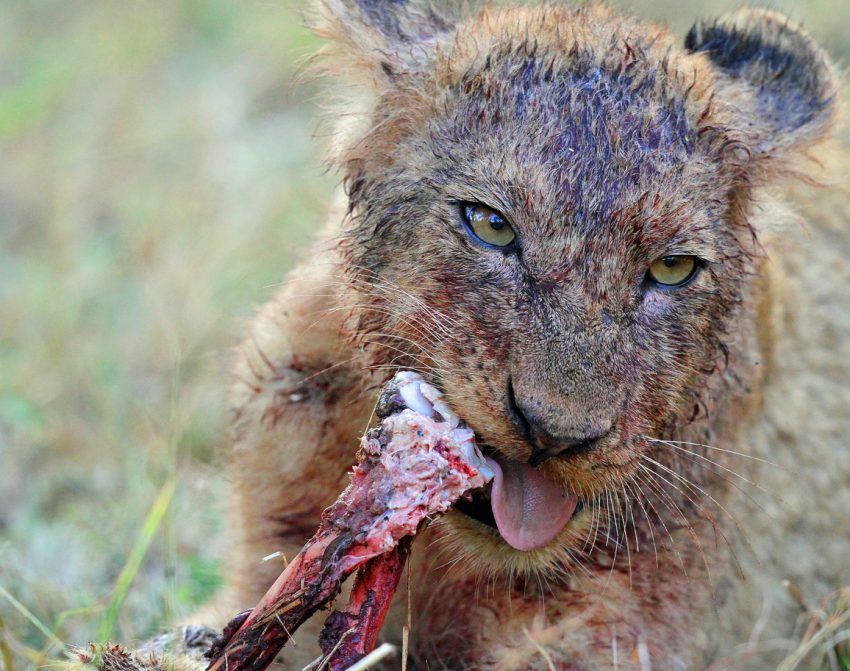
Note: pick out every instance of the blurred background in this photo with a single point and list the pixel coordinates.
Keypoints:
(158, 175)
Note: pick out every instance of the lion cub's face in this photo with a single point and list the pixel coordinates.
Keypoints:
(549, 221)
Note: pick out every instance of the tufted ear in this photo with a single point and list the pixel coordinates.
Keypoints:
(775, 73)
(386, 38)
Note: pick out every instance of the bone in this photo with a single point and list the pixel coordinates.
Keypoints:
(411, 468)
(348, 636)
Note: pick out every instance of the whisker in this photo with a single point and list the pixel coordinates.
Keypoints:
(671, 505)
(416, 362)
(616, 531)
(630, 510)
(402, 320)
(597, 519)
(386, 285)
(715, 525)
(378, 334)
(690, 455)
(673, 444)
(632, 486)
(702, 491)
(719, 449)
(326, 369)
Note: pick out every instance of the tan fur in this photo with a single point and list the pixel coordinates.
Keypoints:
(679, 592)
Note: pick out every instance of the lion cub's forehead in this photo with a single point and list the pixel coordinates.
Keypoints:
(561, 34)
(582, 110)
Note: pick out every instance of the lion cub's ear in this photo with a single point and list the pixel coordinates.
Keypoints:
(780, 80)
(385, 39)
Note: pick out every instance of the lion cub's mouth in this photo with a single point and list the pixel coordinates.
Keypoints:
(527, 508)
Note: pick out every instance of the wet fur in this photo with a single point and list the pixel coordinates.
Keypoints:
(607, 142)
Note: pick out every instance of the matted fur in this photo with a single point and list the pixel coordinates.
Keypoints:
(608, 143)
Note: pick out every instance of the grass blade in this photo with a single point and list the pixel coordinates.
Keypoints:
(38, 624)
(134, 560)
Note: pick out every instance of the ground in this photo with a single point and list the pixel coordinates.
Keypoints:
(159, 174)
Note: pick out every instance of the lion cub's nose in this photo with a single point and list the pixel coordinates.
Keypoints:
(544, 446)
(551, 439)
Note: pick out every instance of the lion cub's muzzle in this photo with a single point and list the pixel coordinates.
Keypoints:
(548, 439)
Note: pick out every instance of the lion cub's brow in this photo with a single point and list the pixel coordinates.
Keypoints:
(576, 137)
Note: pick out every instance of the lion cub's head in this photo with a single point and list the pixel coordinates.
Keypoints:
(550, 217)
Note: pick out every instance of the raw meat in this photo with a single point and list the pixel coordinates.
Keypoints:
(415, 465)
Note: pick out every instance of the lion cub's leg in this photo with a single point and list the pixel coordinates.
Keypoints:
(299, 407)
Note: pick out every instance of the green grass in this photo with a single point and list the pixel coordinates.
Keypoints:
(158, 177)
(149, 530)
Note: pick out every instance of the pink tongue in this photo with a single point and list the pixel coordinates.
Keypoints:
(529, 508)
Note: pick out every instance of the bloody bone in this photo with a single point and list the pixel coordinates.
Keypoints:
(349, 635)
(415, 465)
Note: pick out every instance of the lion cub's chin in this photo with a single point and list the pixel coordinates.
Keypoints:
(479, 549)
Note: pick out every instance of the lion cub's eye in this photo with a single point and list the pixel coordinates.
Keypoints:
(487, 225)
(673, 271)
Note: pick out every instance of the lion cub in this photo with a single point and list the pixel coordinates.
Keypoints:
(576, 225)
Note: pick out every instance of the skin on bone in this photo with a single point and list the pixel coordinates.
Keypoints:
(415, 465)
(348, 636)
